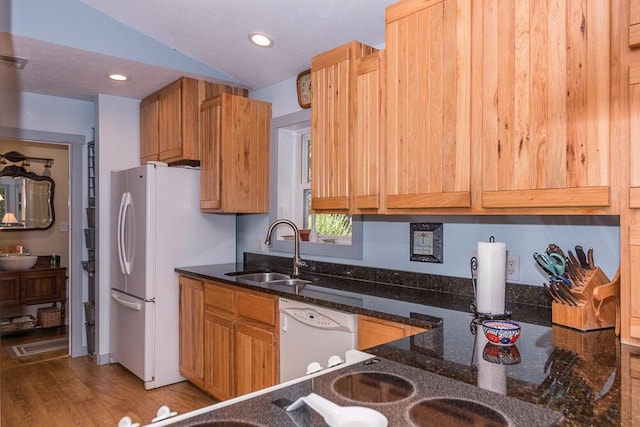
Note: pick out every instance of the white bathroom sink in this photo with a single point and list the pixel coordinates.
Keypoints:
(17, 262)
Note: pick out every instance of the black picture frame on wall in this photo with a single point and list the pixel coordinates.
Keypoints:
(426, 242)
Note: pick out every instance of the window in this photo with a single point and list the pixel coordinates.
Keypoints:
(338, 235)
(330, 228)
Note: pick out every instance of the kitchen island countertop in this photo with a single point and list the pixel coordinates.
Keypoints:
(577, 374)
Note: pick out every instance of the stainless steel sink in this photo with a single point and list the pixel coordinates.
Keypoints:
(263, 277)
(289, 282)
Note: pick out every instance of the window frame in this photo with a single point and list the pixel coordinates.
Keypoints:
(299, 120)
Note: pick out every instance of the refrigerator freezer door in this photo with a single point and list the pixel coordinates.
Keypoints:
(132, 344)
(132, 222)
(139, 224)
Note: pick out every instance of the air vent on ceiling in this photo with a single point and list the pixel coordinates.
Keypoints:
(13, 62)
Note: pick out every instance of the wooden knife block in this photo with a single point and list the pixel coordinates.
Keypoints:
(598, 311)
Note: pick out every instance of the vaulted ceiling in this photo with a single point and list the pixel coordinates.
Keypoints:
(156, 41)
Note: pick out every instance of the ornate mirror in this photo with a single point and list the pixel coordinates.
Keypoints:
(26, 200)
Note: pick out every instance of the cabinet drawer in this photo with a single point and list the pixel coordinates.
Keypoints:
(257, 307)
(218, 296)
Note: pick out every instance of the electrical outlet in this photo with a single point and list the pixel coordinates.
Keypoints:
(513, 267)
(257, 245)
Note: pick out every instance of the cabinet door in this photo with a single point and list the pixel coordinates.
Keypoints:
(178, 115)
(219, 364)
(42, 287)
(634, 130)
(149, 129)
(210, 154)
(9, 290)
(369, 171)
(191, 329)
(634, 256)
(170, 122)
(235, 155)
(255, 358)
(634, 23)
(428, 103)
(333, 125)
(545, 89)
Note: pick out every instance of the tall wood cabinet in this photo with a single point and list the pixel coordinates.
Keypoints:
(368, 153)
(235, 334)
(545, 104)
(234, 155)
(333, 108)
(428, 104)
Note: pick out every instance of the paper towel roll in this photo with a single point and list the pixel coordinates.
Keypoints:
(492, 270)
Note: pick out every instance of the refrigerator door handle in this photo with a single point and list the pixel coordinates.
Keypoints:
(125, 262)
(132, 305)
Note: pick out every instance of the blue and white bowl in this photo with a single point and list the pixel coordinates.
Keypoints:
(501, 332)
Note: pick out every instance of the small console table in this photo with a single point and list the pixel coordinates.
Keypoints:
(39, 285)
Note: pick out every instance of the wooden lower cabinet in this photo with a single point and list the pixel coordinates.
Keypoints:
(255, 357)
(373, 332)
(191, 351)
(219, 365)
(239, 338)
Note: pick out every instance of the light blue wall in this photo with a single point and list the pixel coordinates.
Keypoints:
(386, 238)
(73, 23)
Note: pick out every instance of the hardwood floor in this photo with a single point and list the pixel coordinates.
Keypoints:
(62, 391)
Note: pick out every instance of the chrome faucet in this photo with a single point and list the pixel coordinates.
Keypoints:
(297, 262)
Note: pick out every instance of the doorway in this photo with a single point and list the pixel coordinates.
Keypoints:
(74, 202)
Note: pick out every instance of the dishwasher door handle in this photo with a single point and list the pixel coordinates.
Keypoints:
(285, 322)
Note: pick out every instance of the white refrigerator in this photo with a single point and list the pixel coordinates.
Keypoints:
(156, 225)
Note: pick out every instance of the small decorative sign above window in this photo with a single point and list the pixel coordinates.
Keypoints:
(426, 242)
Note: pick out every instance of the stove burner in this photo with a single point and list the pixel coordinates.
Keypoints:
(455, 412)
(373, 387)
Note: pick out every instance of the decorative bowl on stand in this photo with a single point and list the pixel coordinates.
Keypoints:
(501, 332)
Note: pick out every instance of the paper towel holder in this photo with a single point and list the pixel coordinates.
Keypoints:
(473, 306)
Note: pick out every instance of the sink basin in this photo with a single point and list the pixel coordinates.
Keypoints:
(289, 282)
(17, 262)
(262, 277)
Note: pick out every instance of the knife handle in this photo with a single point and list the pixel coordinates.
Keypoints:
(590, 261)
(582, 257)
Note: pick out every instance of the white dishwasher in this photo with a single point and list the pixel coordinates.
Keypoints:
(309, 333)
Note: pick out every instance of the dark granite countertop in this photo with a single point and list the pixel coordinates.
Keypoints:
(551, 367)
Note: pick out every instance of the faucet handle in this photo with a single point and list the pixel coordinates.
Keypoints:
(301, 263)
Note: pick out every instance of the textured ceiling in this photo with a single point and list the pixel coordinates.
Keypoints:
(213, 32)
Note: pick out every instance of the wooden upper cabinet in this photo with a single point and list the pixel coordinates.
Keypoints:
(149, 129)
(634, 128)
(234, 139)
(428, 104)
(178, 121)
(545, 104)
(634, 23)
(333, 106)
(368, 174)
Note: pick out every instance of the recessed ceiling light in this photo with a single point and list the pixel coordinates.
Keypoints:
(261, 39)
(118, 77)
